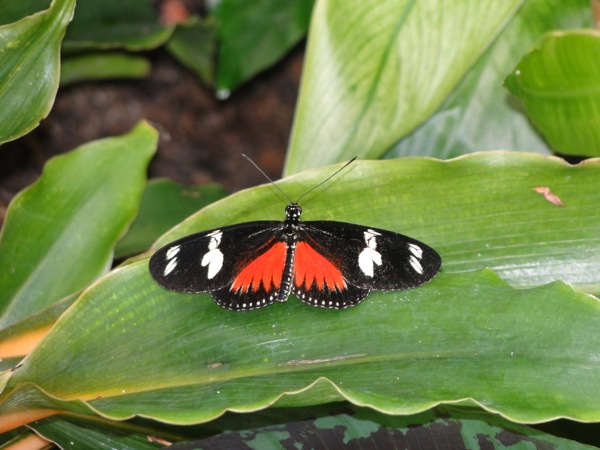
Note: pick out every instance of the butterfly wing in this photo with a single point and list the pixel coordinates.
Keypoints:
(338, 263)
(236, 264)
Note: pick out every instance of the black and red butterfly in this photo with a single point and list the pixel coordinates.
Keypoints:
(324, 263)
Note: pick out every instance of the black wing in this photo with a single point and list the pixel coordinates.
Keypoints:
(210, 261)
(367, 258)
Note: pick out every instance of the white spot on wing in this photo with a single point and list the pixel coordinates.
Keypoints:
(416, 250)
(170, 266)
(214, 257)
(369, 256)
(416, 264)
(172, 252)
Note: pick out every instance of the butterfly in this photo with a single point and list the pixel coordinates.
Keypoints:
(324, 263)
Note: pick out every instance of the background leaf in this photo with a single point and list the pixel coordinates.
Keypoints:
(330, 426)
(164, 204)
(132, 24)
(194, 44)
(558, 85)
(253, 35)
(98, 66)
(59, 233)
(480, 114)
(30, 68)
(375, 70)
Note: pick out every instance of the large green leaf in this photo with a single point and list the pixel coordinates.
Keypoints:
(559, 85)
(59, 233)
(129, 347)
(480, 114)
(29, 68)
(375, 70)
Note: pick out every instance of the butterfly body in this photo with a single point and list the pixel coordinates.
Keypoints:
(324, 263)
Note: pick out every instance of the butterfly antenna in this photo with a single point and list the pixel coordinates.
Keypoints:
(267, 177)
(326, 179)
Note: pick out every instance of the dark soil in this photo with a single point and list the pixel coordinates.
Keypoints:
(201, 138)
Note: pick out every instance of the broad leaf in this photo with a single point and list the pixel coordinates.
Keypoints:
(59, 233)
(559, 85)
(128, 347)
(29, 68)
(375, 70)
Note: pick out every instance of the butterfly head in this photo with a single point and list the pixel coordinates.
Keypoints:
(293, 212)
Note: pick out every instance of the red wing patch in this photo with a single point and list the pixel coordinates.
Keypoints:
(266, 268)
(312, 267)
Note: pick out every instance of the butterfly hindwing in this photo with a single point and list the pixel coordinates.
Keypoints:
(361, 259)
(211, 260)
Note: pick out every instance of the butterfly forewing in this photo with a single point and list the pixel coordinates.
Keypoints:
(211, 260)
(371, 258)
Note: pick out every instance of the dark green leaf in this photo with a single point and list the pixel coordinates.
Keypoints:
(130, 24)
(13, 11)
(254, 35)
(164, 205)
(352, 427)
(194, 44)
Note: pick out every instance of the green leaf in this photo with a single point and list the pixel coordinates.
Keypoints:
(100, 24)
(254, 35)
(480, 114)
(164, 205)
(59, 233)
(101, 66)
(29, 68)
(194, 44)
(376, 69)
(559, 85)
(128, 347)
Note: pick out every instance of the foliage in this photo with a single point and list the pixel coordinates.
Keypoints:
(507, 330)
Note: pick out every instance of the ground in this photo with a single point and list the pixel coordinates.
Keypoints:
(201, 138)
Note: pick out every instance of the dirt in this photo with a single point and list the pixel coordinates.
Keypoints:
(201, 138)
